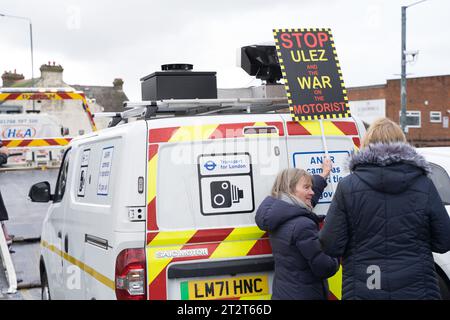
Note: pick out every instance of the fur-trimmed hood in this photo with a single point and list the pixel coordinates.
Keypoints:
(389, 167)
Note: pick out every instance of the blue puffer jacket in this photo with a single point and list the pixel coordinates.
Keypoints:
(385, 221)
(301, 268)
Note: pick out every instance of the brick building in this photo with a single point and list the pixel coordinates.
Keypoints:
(428, 107)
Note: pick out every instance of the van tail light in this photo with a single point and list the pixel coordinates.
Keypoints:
(130, 275)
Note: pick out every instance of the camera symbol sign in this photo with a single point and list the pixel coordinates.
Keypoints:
(226, 183)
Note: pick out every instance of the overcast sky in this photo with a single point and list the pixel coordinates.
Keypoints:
(97, 41)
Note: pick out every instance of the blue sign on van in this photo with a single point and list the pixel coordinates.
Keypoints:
(210, 165)
(312, 163)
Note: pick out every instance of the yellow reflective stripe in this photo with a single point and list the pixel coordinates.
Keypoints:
(233, 249)
(151, 177)
(245, 233)
(229, 248)
(193, 133)
(61, 142)
(171, 238)
(92, 272)
(335, 284)
(3, 96)
(13, 143)
(38, 143)
(156, 265)
(260, 124)
(75, 96)
(313, 127)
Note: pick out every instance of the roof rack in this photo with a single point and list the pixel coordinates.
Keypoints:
(193, 107)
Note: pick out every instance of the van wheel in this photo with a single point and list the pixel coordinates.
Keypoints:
(445, 292)
(45, 290)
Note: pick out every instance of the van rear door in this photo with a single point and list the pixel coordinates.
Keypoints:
(205, 180)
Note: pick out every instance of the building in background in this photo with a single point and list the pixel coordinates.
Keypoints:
(69, 113)
(428, 107)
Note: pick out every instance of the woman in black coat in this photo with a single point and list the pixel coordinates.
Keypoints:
(385, 221)
(301, 268)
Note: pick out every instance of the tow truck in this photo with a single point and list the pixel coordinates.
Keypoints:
(35, 141)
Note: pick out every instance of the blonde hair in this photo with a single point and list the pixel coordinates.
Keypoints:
(383, 130)
(287, 180)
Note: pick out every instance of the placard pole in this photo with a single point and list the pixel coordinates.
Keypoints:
(325, 148)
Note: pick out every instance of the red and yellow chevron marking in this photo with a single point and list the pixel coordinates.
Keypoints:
(17, 143)
(331, 128)
(152, 173)
(49, 95)
(220, 244)
(206, 132)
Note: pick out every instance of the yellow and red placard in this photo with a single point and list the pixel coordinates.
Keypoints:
(312, 74)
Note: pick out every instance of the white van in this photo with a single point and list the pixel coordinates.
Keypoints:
(439, 159)
(163, 207)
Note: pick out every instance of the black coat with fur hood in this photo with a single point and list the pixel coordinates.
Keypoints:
(385, 221)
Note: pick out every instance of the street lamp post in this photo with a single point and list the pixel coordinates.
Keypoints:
(31, 44)
(31, 41)
(403, 80)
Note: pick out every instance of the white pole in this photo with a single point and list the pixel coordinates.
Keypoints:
(7, 263)
(325, 148)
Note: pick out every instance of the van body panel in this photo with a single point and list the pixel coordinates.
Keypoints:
(102, 183)
(203, 179)
(218, 169)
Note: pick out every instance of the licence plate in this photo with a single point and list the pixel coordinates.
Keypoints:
(225, 288)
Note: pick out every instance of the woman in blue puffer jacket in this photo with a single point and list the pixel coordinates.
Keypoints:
(386, 219)
(301, 268)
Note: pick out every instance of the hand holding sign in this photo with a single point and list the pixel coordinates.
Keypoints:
(327, 166)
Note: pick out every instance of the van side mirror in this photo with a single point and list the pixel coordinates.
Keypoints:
(40, 192)
(64, 131)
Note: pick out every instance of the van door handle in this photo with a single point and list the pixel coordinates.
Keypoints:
(66, 244)
(59, 235)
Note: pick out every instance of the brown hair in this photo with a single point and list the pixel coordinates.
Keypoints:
(287, 180)
(383, 130)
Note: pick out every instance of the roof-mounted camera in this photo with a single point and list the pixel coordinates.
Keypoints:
(261, 61)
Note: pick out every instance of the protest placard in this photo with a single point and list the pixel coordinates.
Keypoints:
(312, 75)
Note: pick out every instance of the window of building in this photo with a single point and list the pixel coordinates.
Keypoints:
(435, 116)
(413, 119)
